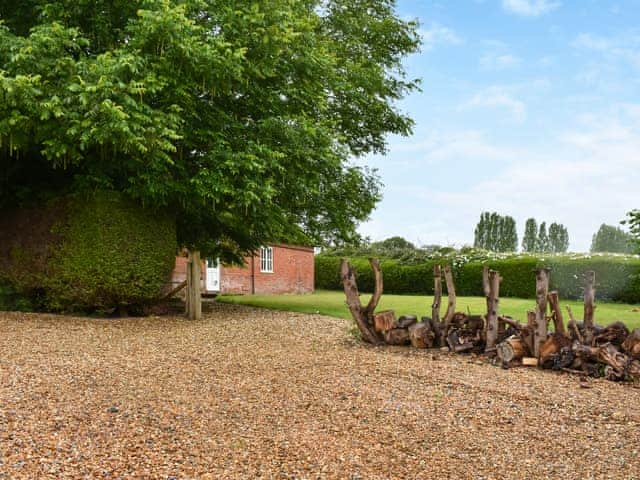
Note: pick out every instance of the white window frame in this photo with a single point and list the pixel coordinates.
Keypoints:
(266, 259)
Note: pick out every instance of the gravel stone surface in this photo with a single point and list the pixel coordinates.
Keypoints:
(257, 394)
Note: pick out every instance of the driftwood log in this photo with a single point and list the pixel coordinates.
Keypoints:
(363, 315)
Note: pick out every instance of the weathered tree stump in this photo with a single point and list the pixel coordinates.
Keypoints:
(492, 291)
(616, 334)
(589, 307)
(542, 290)
(551, 350)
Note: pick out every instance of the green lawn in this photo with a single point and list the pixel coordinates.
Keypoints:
(333, 304)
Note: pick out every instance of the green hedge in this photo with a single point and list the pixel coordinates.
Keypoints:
(618, 278)
(95, 254)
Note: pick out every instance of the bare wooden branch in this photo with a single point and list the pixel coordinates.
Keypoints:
(571, 317)
(558, 321)
(493, 302)
(451, 292)
(377, 289)
(589, 307)
(437, 293)
(174, 290)
(542, 290)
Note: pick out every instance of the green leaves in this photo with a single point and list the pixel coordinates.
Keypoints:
(241, 117)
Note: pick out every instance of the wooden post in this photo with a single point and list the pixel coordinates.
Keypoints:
(194, 287)
(493, 301)
(542, 290)
(451, 292)
(589, 307)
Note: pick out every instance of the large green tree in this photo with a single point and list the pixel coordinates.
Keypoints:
(240, 117)
(611, 239)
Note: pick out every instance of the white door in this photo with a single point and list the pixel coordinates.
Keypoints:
(213, 275)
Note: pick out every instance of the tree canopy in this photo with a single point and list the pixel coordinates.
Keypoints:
(239, 117)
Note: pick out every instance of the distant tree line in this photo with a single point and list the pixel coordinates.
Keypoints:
(498, 233)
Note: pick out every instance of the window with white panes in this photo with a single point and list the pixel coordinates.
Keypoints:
(266, 259)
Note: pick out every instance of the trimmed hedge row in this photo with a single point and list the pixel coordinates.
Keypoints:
(93, 254)
(618, 278)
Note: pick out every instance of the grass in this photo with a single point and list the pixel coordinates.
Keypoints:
(333, 304)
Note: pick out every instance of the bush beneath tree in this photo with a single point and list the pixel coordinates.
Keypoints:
(97, 254)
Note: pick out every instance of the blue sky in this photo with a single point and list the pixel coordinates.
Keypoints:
(528, 107)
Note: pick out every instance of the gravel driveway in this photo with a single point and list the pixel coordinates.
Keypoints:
(250, 393)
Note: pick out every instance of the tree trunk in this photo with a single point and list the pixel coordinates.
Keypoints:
(451, 292)
(363, 316)
(493, 301)
(529, 335)
(589, 307)
(542, 290)
(513, 348)
(558, 321)
(421, 335)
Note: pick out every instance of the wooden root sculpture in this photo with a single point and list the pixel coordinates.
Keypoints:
(363, 315)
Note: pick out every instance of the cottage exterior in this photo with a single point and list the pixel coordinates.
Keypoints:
(276, 268)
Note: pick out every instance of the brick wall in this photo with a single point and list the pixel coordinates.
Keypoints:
(292, 273)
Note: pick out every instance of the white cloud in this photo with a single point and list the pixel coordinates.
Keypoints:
(529, 8)
(438, 34)
(498, 61)
(624, 47)
(501, 98)
(582, 178)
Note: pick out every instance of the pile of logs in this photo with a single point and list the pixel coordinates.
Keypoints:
(580, 346)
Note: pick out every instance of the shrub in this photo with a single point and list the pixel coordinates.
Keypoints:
(93, 254)
(617, 277)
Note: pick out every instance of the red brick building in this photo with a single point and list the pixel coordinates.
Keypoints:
(276, 268)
